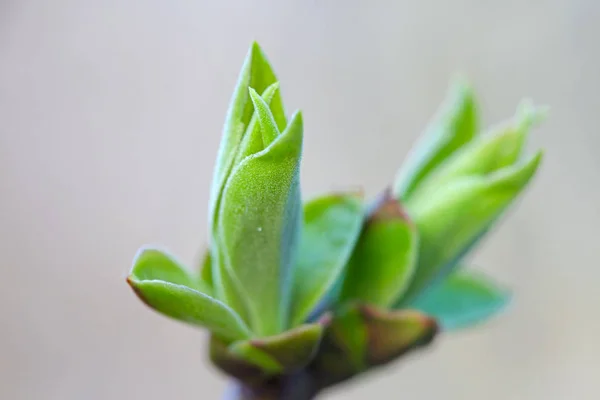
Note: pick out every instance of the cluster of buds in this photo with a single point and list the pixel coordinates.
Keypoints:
(299, 296)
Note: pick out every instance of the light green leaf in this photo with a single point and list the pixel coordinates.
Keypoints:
(384, 259)
(258, 227)
(152, 263)
(253, 142)
(455, 124)
(267, 123)
(488, 153)
(225, 285)
(206, 275)
(462, 300)
(331, 227)
(256, 73)
(163, 284)
(451, 220)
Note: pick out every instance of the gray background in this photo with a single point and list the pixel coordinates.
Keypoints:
(110, 117)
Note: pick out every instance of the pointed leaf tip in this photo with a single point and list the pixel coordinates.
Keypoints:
(268, 125)
(454, 125)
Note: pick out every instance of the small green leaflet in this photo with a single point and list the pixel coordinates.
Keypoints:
(163, 284)
(462, 300)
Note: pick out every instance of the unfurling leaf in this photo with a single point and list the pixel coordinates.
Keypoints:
(384, 259)
(463, 299)
(224, 283)
(164, 285)
(450, 222)
(331, 227)
(498, 149)
(258, 74)
(258, 227)
(455, 125)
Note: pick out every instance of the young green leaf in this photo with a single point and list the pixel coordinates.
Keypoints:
(226, 286)
(206, 275)
(488, 153)
(258, 227)
(268, 125)
(253, 141)
(331, 227)
(462, 300)
(458, 214)
(455, 125)
(384, 259)
(257, 73)
(164, 285)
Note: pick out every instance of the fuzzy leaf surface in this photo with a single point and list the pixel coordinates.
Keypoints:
(163, 284)
(258, 228)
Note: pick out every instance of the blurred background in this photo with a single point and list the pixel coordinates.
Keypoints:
(110, 119)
